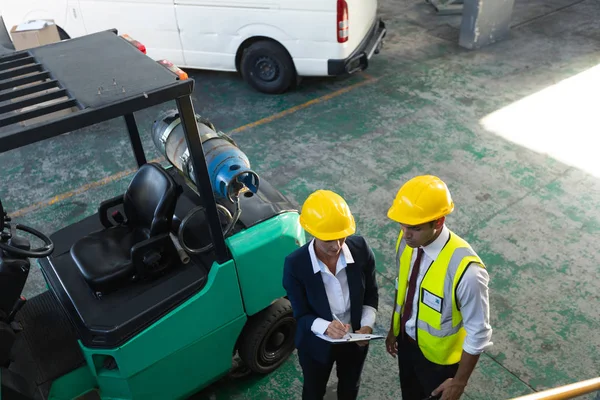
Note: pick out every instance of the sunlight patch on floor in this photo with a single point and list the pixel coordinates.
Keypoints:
(561, 121)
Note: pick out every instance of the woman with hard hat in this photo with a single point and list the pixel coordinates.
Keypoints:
(331, 285)
(440, 324)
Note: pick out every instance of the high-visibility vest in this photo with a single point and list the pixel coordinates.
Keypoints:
(440, 333)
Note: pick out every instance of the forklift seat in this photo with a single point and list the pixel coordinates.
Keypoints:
(139, 245)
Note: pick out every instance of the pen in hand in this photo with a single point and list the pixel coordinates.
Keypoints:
(346, 335)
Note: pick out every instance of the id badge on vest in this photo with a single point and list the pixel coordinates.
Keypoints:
(432, 301)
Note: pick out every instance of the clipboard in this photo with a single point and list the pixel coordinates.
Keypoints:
(351, 337)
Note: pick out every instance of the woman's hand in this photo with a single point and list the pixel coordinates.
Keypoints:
(337, 330)
(365, 330)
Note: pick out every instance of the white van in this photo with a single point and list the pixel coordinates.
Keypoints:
(270, 42)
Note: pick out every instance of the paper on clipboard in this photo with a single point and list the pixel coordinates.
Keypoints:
(351, 337)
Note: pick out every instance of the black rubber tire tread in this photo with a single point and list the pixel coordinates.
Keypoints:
(256, 330)
(274, 50)
(62, 34)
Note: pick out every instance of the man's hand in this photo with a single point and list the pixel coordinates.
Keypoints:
(451, 389)
(365, 330)
(337, 330)
(391, 345)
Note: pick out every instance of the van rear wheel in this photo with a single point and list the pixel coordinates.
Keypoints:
(268, 338)
(62, 34)
(268, 67)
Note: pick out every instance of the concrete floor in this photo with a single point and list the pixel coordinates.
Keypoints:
(508, 127)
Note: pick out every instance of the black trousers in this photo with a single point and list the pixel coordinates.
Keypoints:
(419, 376)
(349, 360)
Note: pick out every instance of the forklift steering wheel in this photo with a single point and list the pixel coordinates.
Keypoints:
(231, 220)
(40, 252)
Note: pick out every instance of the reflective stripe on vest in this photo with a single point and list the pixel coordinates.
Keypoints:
(440, 334)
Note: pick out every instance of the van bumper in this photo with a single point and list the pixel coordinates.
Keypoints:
(359, 59)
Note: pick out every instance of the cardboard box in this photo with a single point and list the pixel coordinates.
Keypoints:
(43, 118)
(34, 34)
(47, 117)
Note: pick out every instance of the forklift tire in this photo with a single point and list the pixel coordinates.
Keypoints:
(268, 338)
(268, 67)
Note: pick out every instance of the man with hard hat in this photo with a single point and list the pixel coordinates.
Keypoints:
(440, 323)
(330, 282)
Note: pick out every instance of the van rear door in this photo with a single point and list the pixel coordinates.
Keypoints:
(354, 18)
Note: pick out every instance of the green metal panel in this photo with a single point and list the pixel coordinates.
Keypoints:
(259, 253)
(72, 385)
(168, 360)
(191, 368)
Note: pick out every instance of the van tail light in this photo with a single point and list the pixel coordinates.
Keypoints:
(134, 43)
(342, 21)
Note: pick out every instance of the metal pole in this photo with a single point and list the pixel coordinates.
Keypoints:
(565, 392)
(192, 137)
(136, 141)
(485, 22)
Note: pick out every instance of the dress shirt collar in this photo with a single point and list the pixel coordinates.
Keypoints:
(345, 257)
(433, 249)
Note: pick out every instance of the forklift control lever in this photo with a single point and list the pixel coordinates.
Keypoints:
(18, 305)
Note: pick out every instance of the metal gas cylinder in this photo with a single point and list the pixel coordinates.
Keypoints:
(228, 166)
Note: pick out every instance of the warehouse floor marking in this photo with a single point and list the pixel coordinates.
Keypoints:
(82, 189)
(123, 174)
(304, 105)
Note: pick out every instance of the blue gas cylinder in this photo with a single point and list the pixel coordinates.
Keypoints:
(228, 166)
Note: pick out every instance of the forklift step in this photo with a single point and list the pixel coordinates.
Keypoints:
(47, 347)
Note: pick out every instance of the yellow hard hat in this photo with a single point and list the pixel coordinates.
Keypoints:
(326, 216)
(422, 199)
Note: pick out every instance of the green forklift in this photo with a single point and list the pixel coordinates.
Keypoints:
(156, 294)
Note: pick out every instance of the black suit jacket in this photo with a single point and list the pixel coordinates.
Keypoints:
(306, 292)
